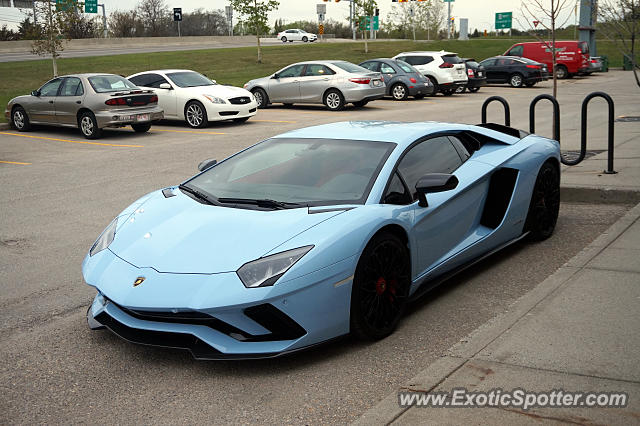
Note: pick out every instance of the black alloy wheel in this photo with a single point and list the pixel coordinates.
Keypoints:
(545, 203)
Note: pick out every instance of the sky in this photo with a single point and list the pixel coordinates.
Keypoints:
(481, 14)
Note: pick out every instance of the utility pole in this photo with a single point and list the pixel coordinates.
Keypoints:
(449, 19)
(104, 20)
(352, 17)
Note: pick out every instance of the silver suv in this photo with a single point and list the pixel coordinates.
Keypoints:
(445, 69)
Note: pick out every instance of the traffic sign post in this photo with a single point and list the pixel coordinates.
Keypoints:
(177, 17)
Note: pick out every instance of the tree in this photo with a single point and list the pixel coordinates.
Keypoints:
(255, 14)
(77, 24)
(204, 22)
(363, 8)
(27, 30)
(427, 16)
(7, 34)
(125, 24)
(49, 40)
(155, 16)
(547, 13)
(620, 23)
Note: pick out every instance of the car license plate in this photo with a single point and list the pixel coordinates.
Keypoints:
(377, 82)
(142, 117)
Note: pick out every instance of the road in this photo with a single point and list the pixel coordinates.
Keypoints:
(58, 191)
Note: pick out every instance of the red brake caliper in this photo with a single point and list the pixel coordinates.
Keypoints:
(381, 286)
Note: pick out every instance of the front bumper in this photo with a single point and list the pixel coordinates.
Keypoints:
(477, 82)
(218, 112)
(120, 118)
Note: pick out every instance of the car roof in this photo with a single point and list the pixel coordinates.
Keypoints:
(401, 133)
(165, 71)
(426, 52)
(87, 74)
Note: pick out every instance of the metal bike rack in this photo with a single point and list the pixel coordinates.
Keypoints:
(505, 104)
(583, 131)
(556, 118)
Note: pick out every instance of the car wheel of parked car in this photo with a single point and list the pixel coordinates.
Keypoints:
(334, 100)
(380, 287)
(360, 104)
(240, 120)
(473, 89)
(435, 86)
(516, 80)
(20, 119)
(561, 72)
(399, 92)
(447, 91)
(196, 115)
(89, 125)
(141, 128)
(420, 96)
(545, 203)
(284, 39)
(460, 89)
(261, 97)
(305, 39)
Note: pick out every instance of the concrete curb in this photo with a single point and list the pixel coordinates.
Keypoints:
(4, 126)
(388, 410)
(598, 195)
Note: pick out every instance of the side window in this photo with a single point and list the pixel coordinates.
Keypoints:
(371, 66)
(316, 70)
(72, 87)
(459, 146)
(516, 51)
(387, 69)
(396, 192)
(435, 155)
(51, 88)
(488, 62)
(292, 71)
(419, 60)
(148, 80)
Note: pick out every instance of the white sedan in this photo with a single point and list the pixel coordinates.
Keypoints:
(190, 96)
(295, 34)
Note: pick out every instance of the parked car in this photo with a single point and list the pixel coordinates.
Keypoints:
(476, 74)
(90, 102)
(402, 80)
(190, 96)
(595, 65)
(445, 69)
(332, 83)
(296, 34)
(572, 57)
(315, 234)
(516, 71)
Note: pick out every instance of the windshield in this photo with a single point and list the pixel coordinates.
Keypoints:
(349, 67)
(302, 171)
(472, 64)
(406, 67)
(110, 83)
(189, 79)
(451, 59)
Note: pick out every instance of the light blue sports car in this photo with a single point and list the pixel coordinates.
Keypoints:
(317, 233)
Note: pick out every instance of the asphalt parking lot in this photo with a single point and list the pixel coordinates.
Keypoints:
(58, 191)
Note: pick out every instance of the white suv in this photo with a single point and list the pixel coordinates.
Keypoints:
(445, 69)
(295, 34)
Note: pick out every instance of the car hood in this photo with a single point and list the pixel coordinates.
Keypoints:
(180, 235)
(219, 90)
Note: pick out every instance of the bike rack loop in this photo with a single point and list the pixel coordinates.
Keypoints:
(505, 104)
(556, 119)
(583, 130)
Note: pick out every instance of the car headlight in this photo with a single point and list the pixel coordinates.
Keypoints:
(215, 99)
(267, 270)
(105, 239)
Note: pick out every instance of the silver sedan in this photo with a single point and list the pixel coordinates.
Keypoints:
(332, 83)
(89, 102)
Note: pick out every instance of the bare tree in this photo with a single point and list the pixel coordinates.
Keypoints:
(125, 24)
(50, 38)
(547, 13)
(155, 16)
(621, 23)
(255, 14)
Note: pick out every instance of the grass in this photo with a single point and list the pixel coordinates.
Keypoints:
(236, 66)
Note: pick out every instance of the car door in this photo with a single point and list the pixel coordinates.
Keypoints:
(388, 74)
(451, 215)
(490, 69)
(315, 81)
(503, 69)
(69, 101)
(167, 98)
(42, 107)
(285, 85)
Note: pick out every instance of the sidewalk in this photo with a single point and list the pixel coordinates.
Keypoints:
(578, 330)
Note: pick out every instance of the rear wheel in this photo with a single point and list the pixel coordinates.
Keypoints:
(196, 115)
(261, 97)
(447, 91)
(545, 203)
(284, 39)
(562, 72)
(334, 100)
(380, 287)
(141, 128)
(20, 119)
(89, 125)
(516, 80)
(399, 92)
(473, 89)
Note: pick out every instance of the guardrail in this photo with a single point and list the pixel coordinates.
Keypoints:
(556, 123)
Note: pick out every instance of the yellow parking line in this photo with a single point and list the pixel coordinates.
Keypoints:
(275, 121)
(69, 141)
(15, 162)
(187, 131)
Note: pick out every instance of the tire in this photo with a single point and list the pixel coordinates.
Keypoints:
(20, 119)
(545, 203)
(284, 39)
(418, 97)
(473, 89)
(435, 86)
(460, 89)
(380, 287)
(261, 97)
(399, 92)
(240, 120)
(447, 91)
(196, 115)
(360, 104)
(141, 128)
(89, 125)
(516, 80)
(305, 39)
(287, 105)
(334, 100)
(561, 72)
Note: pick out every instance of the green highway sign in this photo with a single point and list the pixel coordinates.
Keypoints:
(503, 20)
(65, 5)
(448, 1)
(376, 23)
(90, 6)
(364, 23)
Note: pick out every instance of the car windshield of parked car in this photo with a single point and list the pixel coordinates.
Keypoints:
(406, 67)
(349, 67)
(472, 64)
(189, 79)
(110, 83)
(298, 171)
(451, 59)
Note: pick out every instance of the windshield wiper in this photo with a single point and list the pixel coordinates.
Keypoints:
(199, 195)
(267, 203)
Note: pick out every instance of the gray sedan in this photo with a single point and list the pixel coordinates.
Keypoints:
(402, 79)
(89, 102)
(332, 83)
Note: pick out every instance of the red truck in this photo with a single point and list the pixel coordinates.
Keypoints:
(572, 57)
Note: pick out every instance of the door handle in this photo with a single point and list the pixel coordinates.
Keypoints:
(78, 102)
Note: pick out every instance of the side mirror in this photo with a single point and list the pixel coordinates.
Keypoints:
(35, 93)
(214, 81)
(206, 164)
(165, 86)
(276, 76)
(434, 182)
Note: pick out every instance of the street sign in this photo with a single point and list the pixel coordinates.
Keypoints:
(321, 29)
(177, 14)
(448, 1)
(321, 8)
(364, 23)
(90, 6)
(229, 11)
(503, 20)
(535, 23)
(376, 23)
(64, 5)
